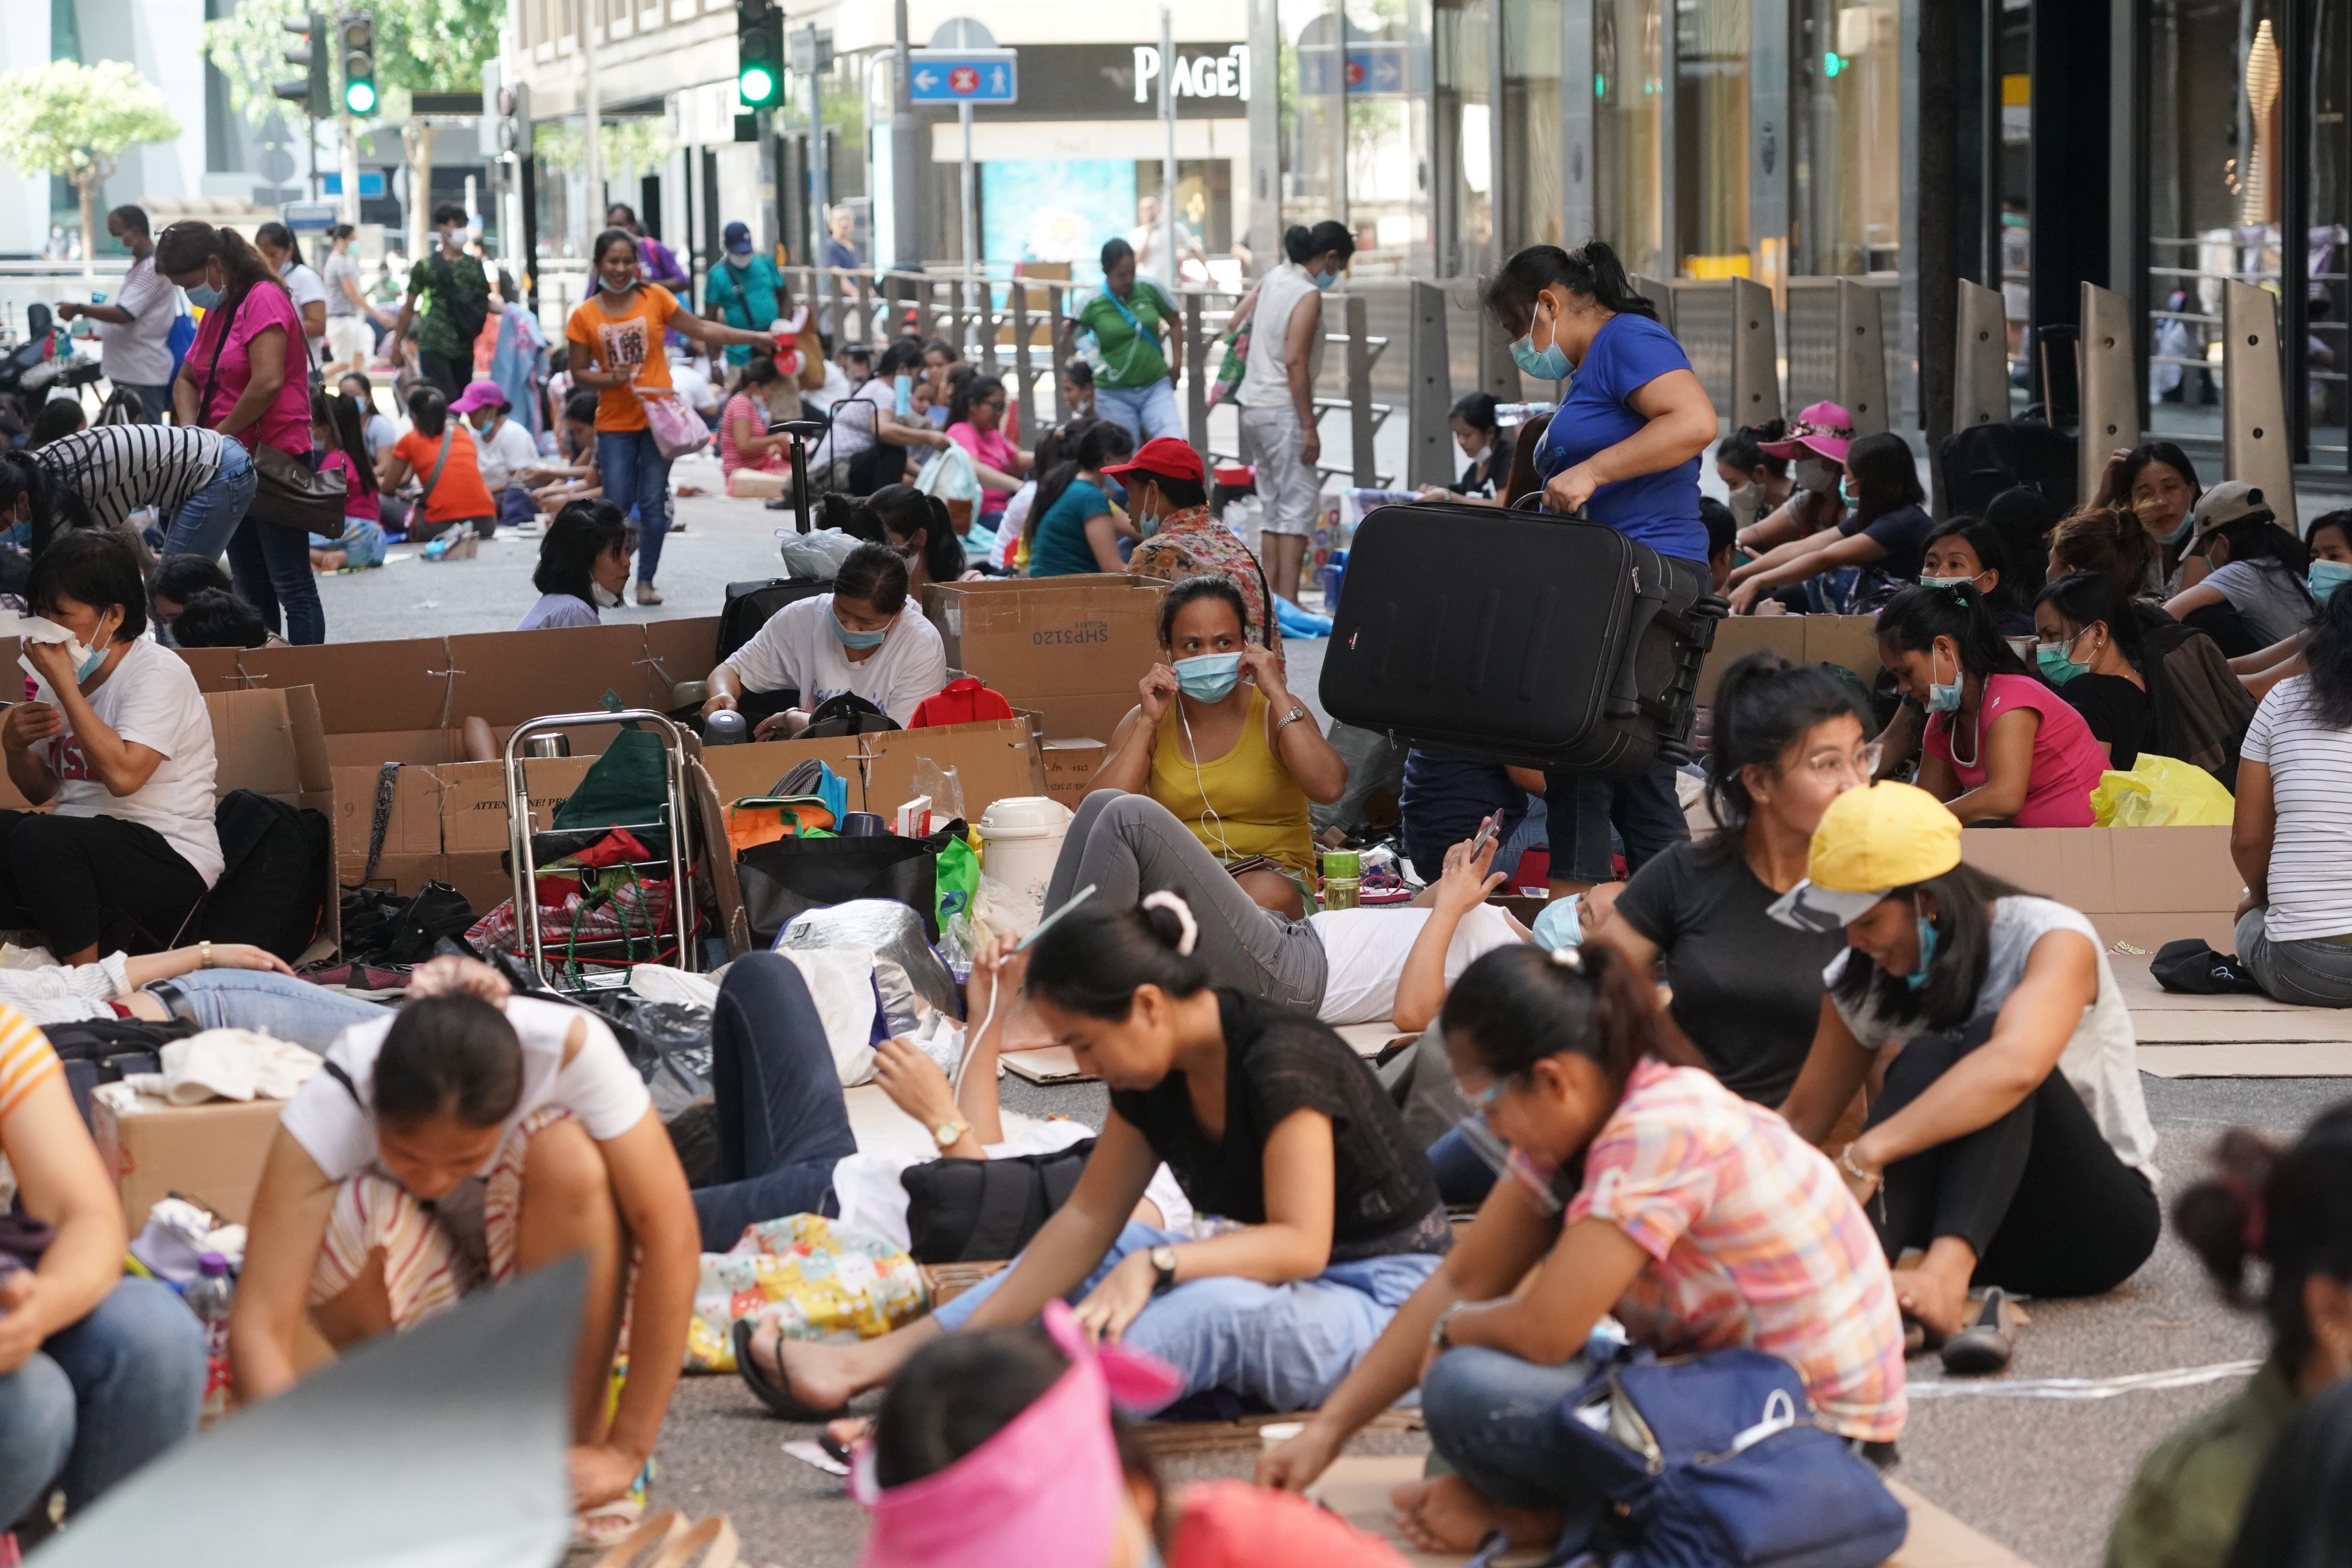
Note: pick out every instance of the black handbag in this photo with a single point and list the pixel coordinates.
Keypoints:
(286, 492)
(982, 1211)
(792, 876)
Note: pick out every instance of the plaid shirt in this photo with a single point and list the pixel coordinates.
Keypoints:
(1754, 1241)
(1191, 543)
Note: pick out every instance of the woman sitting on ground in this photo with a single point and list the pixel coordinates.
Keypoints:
(471, 1137)
(178, 579)
(1998, 745)
(2157, 484)
(1757, 481)
(1267, 1117)
(2253, 595)
(1485, 447)
(2288, 837)
(2330, 540)
(1812, 452)
(98, 1373)
(2291, 1208)
(115, 738)
(1238, 761)
(1168, 497)
(2008, 1140)
(1883, 540)
(441, 454)
(2089, 648)
(336, 427)
(975, 423)
(863, 638)
(920, 533)
(743, 438)
(1072, 524)
(584, 566)
(558, 484)
(1967, 551)
(1641, 1186)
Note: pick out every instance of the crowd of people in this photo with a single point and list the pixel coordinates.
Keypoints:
(1809, 1083)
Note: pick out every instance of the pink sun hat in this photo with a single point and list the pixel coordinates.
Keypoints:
(482, 394)
(1825, 429)
(1045, 1490)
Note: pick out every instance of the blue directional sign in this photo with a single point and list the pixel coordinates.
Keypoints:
(1375, 68)
(965, 75)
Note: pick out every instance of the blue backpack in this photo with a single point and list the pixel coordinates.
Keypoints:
(1719, 1461)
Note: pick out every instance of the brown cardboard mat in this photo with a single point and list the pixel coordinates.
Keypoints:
(2249, 1058)
(1357, 1488)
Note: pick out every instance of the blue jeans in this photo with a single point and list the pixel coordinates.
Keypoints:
(1499, 1422)
(1288, 1346)
(275, 1004)
(1581, 810)
(271, 568)
(783, 1124)
(100, 1399)
(206, 519)
(1143, 412)
(636, 476)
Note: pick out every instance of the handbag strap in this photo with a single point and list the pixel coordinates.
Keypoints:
(448, 434)
(386, 780)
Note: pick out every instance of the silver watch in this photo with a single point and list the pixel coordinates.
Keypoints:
(1297, 711)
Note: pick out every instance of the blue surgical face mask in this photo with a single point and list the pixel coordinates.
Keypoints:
(1945, 581)
(902, 386)
(1929, 934)
(1209, 678)
(2057, 668)
(849, 638)
(1845, 492)
(1325, 279)
(1943, 699)
(610, 287)
(1545, 365)
(2181, 535)
(204, 296)
(2326, 576)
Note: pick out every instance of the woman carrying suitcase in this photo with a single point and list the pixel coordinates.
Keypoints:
(1623, 450)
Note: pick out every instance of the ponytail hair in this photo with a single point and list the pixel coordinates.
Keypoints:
(1916, 617)
(1302, 244)
(2289, 1206)
(1763, 706)
(1593, 271)
(2329, 653)
(1093, 962)
(1518, 1005)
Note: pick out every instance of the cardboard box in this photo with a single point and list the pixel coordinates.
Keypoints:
(447, 823)
(1070, 768)
(991, 761)
(1851, 641)
(2146, 885)
(211, 1154)
(1072, 648)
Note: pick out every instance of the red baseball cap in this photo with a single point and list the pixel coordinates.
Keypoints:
(1166, 457)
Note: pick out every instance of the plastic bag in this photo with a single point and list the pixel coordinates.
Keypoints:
(949, 475)
(817, 554)
(814, 1279)
(957, 881)
(909, 976)
(667, 1042)
(2160, 792)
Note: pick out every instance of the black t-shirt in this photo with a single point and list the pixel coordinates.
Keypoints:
(2116, 711)
(1747, 989)
(1277, 1062)
(1901, 533)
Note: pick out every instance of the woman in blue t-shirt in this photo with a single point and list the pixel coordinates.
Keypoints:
(1075, 526)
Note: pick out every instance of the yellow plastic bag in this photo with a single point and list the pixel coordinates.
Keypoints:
(2160, 792)
(818, 1280)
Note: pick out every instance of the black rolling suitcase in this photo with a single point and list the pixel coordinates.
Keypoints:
(750, 605)
(1538, 640)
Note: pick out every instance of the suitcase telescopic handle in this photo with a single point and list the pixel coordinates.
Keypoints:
(1534, 501)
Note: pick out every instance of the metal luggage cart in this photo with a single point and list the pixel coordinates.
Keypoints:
(617, 950)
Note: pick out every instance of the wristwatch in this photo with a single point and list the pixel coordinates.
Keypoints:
(1163, 1268)
(946, 1133)
(1444, 1320)
(1293, 716)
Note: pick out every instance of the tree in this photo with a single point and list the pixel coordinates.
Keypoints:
(421, 45)
(77, 121)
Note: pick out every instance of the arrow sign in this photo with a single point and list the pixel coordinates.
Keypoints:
(965, 75)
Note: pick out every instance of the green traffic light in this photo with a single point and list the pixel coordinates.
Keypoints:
(756, 84)
(360, 98)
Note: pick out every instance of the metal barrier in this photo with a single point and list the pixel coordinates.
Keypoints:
(2109, 385)
(1837, 347)
(2253, 404)
(1980, 359)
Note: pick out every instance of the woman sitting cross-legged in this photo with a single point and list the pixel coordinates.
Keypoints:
(470, 1137)
(1640, 1186)
(2008, 1134)
(1268, 1119)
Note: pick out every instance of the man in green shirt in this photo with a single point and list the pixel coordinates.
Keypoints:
(457, 296)
(1131, 319)
(744, 291)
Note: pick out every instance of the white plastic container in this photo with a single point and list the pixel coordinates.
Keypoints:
(1020, 838)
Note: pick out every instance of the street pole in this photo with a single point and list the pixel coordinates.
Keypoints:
(314, 159)
(1168, 154)
(772, 220)
(820, 191)
(348, 161)
(906, 218)
(971, 217)
(593, 106)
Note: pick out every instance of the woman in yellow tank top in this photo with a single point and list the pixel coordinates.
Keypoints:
(1235, 760)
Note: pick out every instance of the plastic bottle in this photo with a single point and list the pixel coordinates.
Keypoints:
(209, 1297)
(1508, 414)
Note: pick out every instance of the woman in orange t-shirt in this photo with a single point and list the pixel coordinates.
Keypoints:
(615, 341)
(457, 497)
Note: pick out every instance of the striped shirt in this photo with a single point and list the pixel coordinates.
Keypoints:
(2310, 882)
(1753, 1240)
(25, 1061)
(118, 468)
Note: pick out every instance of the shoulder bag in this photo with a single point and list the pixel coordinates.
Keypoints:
(978, 1211)
(286, 492)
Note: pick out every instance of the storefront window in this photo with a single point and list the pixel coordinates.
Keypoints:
(1629, 130)
(1847, 81)
(1313, 76)
(1711, 49)
(1388, 122)
(1534, 181)
(1462, 150)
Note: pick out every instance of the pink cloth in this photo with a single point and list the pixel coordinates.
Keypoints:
(990, 448)
(286, 423)
(2067, 760)
(1043, 1490)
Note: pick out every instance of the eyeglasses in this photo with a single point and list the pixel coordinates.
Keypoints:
(1860, 763)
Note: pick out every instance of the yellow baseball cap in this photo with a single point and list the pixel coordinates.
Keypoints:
(1869, 842)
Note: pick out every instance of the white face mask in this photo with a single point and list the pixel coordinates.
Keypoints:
(1747, 504)
(606, 598)
(1819, 475)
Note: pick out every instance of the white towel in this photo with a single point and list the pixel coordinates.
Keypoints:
(227, 1064)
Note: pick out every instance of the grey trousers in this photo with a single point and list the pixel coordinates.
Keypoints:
(2312, 972)
(1130, 845)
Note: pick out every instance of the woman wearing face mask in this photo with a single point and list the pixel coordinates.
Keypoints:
(1814, 452)
(2330, 540)
(1236, 761)
(1072, 522)
(2253, 593)
(922, 534)
(1997, 746)
(1486, 448)
(872, 429)
(1168, 497)
(2008, 1140)
(1881, 542)
(863, 637)
(584, 566)
(1277, 392)
(117, 740)
(1967, 552)
(1757, 482)
(616, 347)
(2088, 648)
(2157, 483)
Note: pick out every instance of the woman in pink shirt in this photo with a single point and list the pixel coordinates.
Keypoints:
(244, 377)
(975, 421)
(1999, 746)
(743, 438)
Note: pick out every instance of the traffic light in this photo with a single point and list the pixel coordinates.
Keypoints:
(760, 53)
(355, 38)
(314, 92)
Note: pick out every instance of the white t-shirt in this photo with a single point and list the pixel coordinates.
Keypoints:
(504, 452)
(797, 650)
(307, 287)
(694, 386)
(381, 433)
(2271, 599)
(851, 431)
(836, 387)
(872, 1199)
(598, 1086)
(2310, 883)
(138, 354)
(1365, 952)
(151, 700)
(2102, 1059)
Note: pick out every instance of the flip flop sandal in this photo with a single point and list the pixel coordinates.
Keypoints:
(1983, 1347)
(778, 1400)
(644, 1545)
(710, 1544)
